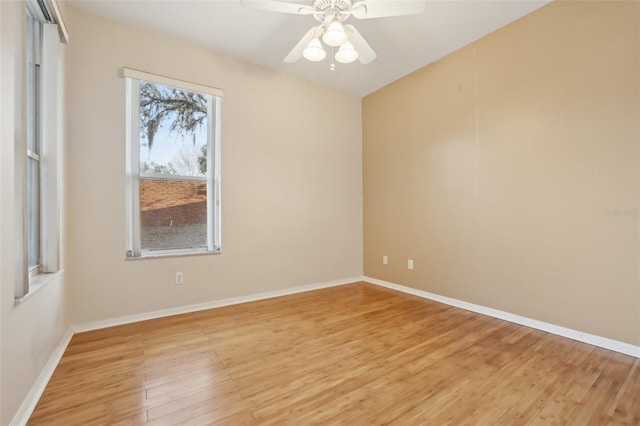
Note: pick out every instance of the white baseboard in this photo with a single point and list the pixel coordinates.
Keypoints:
(31, 400)
(209, 305)
(580, 336)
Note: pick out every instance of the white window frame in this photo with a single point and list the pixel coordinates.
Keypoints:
(35, 34)
(133, 174)
(51, 32)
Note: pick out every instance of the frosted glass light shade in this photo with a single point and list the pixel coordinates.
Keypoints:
(335, 35)
(346, 54)
(314, 51)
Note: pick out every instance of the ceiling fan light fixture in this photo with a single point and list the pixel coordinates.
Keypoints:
(314, 51)
(346, 54)
(335, 35)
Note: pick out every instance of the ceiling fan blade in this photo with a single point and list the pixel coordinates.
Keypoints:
(368, 9)
(365, 52)
(279, 6)
(296, 52)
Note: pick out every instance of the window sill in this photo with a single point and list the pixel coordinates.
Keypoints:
(36, 283)
(165, 255)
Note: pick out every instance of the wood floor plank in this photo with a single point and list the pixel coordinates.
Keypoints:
(563, 406)
(626, 408)
(352, 354)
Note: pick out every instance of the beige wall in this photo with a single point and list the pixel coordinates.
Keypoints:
(291, 177)
(29, 332)
(495, 168)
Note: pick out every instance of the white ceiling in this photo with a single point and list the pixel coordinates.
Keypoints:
(403, 44)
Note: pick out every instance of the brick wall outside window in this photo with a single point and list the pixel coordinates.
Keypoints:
(171, 203)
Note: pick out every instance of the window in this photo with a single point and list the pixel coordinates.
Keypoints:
(173, 166)
(33, 142)
(37, 170)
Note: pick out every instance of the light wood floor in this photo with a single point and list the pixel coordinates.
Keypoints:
(355, 354)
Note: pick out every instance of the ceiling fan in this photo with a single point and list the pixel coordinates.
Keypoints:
(331, 15)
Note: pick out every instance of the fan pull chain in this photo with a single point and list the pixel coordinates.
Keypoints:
(332, 67)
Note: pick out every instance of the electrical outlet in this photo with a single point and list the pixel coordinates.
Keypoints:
(385, 260)
(410, 264)
(179, 278)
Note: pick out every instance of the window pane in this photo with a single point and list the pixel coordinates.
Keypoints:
(32, 41)
(36, 132)
(33, 211)
(173, 131)
(173, 214)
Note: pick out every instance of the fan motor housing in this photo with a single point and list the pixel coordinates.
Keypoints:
(322, 6)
